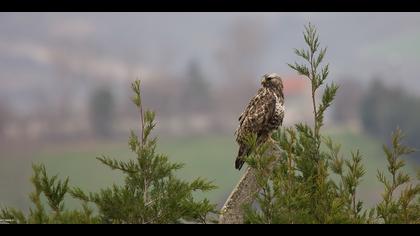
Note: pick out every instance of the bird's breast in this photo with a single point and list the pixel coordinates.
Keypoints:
(279, 109)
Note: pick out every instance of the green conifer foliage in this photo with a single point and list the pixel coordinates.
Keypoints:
(151, 193)
(299, 186)
(54, 191)
(303, 177)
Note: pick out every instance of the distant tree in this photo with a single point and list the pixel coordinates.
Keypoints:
(373, 108)
(101, 109)
(196, 97)
(2, 119)
(347, 105)
(383, 109)
(5, 115)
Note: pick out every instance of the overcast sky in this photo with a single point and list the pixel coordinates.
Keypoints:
(117, 45)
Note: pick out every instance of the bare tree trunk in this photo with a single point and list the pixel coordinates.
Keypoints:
(243, 193)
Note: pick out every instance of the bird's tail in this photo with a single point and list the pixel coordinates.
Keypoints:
(242, 153)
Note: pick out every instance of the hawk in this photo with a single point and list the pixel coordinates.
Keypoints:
(263, 115)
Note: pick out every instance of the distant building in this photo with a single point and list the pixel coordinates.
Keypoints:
(298, 100)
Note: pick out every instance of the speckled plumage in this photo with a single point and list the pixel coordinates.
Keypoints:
(262, 116)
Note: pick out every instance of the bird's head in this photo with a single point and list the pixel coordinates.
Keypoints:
(272, 80)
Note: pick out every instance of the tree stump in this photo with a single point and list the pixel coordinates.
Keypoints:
(243, 193)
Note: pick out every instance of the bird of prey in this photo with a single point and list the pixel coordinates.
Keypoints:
(263, 115)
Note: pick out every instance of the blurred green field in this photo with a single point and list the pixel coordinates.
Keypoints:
(211, 157)
(374, 159)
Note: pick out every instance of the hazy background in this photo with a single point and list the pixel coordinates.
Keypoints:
(65, 88)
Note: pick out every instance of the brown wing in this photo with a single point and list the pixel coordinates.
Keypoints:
(256, 115)
(254, 119)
